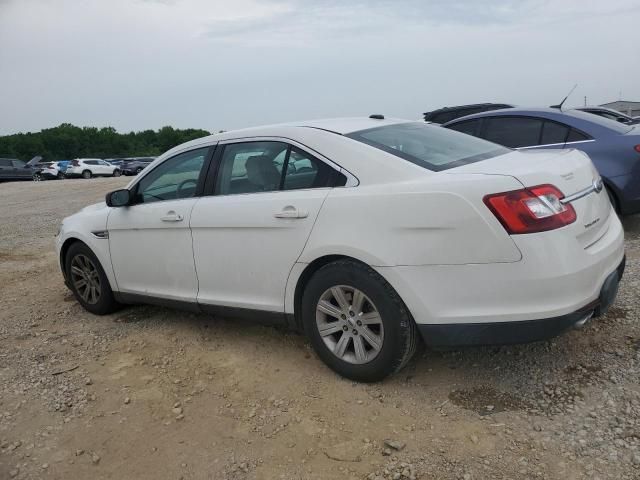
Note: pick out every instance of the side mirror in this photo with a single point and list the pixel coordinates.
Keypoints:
(119, 198)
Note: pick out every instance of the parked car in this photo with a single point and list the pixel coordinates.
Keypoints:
(447, 114)
(91, 167)
(398, 230)
(47, 171)
(611, 114)
(135, 165)
(613, 147)
(14, 169)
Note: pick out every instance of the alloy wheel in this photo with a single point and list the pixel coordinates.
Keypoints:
(86, 279)
(349, 324)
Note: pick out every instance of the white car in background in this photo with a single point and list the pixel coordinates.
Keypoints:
(91, 167)
(385, 231)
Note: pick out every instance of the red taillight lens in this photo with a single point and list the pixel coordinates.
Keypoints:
(637, 148)
(531, 210)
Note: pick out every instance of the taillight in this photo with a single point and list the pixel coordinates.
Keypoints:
(531, 210)
(637, 148)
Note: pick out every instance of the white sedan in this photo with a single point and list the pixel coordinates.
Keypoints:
(366, 233)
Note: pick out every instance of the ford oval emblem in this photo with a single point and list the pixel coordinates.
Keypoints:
(598, 185)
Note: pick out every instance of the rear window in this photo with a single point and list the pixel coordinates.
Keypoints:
(431, 147)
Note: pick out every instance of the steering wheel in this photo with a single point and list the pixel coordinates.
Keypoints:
(182, 184)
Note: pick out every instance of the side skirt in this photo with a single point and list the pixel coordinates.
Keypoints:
(256, 316)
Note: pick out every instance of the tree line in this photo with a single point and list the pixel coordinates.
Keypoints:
(67, 141)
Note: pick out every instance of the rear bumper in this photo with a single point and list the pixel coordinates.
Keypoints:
(505, 333)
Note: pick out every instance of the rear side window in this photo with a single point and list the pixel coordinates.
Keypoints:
(553, 132)
(252, 167)
(429, 146)
(305, 171)
(513, 132)
(576, 136)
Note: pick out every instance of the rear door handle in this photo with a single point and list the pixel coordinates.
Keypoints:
(172, 217)
(291, 212)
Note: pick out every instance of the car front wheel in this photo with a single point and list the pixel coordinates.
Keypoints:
(88, 281)
(116, 173)
(356, 322)
(86, 174)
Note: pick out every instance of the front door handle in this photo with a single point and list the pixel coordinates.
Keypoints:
(172, 216)
(291, 212)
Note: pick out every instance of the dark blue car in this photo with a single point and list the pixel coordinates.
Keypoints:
(613, 147)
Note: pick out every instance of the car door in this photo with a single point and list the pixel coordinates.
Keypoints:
(103, 168)
(250, 232)
(20, 169)
(150, 240)
(6, 169)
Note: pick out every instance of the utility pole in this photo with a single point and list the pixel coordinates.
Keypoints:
(585, 100)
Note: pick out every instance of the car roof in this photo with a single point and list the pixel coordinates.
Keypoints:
(343, 126)
(592, 124)
(465, 107)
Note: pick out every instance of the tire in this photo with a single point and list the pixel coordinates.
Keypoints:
(395, 331)
(138, 170)
(78, 257)
(60, 176)
(37, 177)
(117, 173)
(86, 174)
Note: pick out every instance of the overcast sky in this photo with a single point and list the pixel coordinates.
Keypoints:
(139, 64)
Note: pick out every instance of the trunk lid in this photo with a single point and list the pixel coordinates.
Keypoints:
(571, 171)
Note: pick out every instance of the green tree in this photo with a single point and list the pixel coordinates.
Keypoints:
(67, 141)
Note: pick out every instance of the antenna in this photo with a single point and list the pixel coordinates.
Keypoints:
(559, 106)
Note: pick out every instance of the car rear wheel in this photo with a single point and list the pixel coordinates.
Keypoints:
(88, 281)
(60, 176)
(86, 174)
(37, 177)
(356, 322)
(138, 170)
(116, 173)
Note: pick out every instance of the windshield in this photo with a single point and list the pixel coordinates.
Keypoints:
(429, 146)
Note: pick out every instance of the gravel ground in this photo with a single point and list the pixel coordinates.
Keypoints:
(150, 393)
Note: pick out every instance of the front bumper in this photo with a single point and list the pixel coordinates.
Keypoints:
(526, 331)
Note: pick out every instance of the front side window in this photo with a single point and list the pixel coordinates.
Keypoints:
(173, 179)
(470, 127)
(429, 146)
(18, 164)
(513, 132)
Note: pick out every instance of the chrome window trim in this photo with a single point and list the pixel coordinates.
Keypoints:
(555, 144)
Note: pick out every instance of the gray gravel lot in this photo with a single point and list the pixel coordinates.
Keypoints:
(152, 393)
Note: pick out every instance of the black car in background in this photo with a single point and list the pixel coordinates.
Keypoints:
(14, 169)
(446, 114)
(133, 166)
